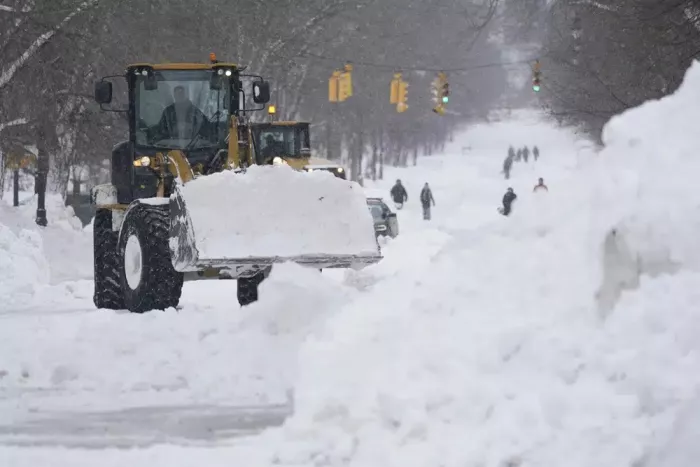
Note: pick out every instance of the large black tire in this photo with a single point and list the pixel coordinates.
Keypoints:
(147, 276)
(108, 289)
(248, 288)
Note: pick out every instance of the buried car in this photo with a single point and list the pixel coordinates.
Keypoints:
(385, 221)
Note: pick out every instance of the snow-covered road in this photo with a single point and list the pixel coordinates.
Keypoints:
(536, 340)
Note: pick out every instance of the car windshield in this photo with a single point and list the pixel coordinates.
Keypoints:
(377, 212)
(282, 140)
(183, 112)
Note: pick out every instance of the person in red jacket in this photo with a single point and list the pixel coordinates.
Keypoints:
(540, 186)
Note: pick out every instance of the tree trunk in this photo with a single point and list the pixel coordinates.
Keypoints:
(381, 165)
(15, 187)
(41, 179)
(375, 154)
(42, 175)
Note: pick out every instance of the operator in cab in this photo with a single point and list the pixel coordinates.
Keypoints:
(182, 119)
(273, 148)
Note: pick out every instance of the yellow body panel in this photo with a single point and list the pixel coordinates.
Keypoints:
(183, 66)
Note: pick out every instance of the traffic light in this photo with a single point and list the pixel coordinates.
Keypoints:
(441, 93)
(435, 90)
(402, 104)
(345, 83)
(536, 76)
(333, 85)
(394, 89)
(340, 84)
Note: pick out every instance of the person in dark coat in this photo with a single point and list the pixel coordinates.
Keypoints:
(507, 165)
(182, 119)
(426, 198)
(535, 153)
(508, 199)
(399, 194)
(526, 154)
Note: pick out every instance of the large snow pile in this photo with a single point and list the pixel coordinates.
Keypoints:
(499, 354)
(276, 211)
(23, 266)
(67, 246)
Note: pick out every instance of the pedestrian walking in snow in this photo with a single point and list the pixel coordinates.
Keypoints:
(526, 154)
(518, 155)
(508, 199)
(540, 186)
(399, 194)
(426, 198)
(535, 153)
(507, 164)
(511, 152)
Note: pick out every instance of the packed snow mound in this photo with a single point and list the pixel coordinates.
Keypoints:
(209, 352)
(23, 266)
(277, 211)
(63, 238)
(647, 179)
(498, 353)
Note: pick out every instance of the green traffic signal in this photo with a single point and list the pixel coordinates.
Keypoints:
(445, 99)
(536, 87)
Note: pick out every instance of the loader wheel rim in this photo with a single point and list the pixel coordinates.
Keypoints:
(133, 262)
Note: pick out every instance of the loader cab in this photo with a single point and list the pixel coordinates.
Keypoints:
(282, 143)
(184, 111)
(289, 143)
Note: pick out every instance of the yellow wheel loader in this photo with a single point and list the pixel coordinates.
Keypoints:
(288, 142)
(186, 201)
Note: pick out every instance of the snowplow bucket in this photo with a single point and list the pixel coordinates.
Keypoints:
(246, 222)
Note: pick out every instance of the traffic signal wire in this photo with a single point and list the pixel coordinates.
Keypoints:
(310, 55)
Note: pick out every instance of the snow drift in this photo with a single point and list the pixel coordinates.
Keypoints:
(276, 211)
(647, 177)
(63, 238)
(23, 266)
(498, 354)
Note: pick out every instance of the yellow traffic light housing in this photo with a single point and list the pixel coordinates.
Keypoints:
(394, 89)
(402, 104)
(345, 83)
(333, 87)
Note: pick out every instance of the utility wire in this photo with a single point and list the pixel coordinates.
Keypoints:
(412, 68)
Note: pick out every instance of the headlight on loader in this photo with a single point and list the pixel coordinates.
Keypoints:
(279, 161)
(145, 161)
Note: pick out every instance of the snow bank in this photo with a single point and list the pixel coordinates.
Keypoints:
(497, 354)
(276, 211)
(647, 177)
(66, 245)
(210, 352)
(23, 266)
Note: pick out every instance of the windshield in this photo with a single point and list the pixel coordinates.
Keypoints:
(283, 141)
(377, 212)
(183, 112)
